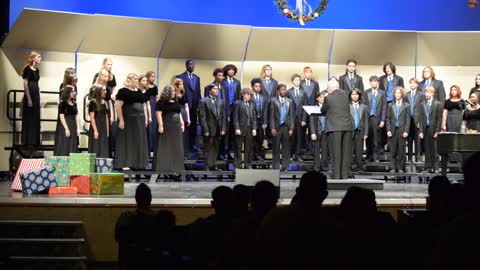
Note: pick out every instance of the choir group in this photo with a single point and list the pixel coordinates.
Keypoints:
(241, 123)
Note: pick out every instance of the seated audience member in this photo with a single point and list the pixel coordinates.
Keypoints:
(456, 242)
(134, 231)
(287, 235)
(240, 200)
(209, 234)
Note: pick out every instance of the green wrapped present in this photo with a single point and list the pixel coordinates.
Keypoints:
(61, 166)
(82, 163)
(106, 183)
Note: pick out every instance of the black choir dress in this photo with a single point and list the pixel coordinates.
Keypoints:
(101, 146)
(473, 119)
(169, 153)
(63, 145)
(182, 101)
(455, 114)
(131, 143)
(31, 115)
(153, 126)
(113, 126)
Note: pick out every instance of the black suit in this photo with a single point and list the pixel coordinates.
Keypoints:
(269, 89)
(439, 89)
(282, 138)
(397, 141)
(261, 107)
(316, 125)
(339, 127)
(221, 90)
(231, 93)
(360, 132)
(311, 91)
(429, 130)
(373, 140)
(415, 119)
(245, 120)
(193, 95)
(298, 138)
(396, 81)
(212, 122)
(348, 85)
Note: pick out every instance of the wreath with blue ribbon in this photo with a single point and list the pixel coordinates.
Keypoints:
(303, 12)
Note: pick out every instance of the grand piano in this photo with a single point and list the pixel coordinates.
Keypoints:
(450, 142)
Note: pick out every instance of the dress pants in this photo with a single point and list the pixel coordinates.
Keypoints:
(245, 142)
(341, 152)
(413, 141)
(298, 138)
(431, 157)
(258, 140)
(281, 140)
(212, 144)
(357, 145)
(373, 138)
(397, 145)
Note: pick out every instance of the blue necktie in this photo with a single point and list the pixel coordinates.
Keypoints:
(397, 115)
(296, 98)
(215, 106)
(230, 92)
(356, 117)
(373, 110)
(351, 83)
(309, 92)
(283, 112)
(192, 80)
(429, 106)
(247, 108)
(268, 87)
(390, 90)
(412, 103)
(322, 120)
(257, 105)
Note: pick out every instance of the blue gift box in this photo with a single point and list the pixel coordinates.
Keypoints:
(104, 165)
(38, 180)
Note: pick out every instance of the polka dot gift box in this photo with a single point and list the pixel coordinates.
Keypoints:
(104, 165)
(38, 180)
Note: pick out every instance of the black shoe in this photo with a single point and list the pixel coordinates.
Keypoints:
(400, 171)
(299, 158)
(248, 167)
(393, 171)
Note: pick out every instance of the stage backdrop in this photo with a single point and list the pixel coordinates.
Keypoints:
(424, 15)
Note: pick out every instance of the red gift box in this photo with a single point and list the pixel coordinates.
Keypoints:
(81, 182)
(25, 166)
(62, 190)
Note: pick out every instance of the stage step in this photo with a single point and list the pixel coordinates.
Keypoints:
(38, 244)
(46, 263)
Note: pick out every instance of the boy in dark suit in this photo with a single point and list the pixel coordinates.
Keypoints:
(245, 124)
(390, 80)
(431, 125)
(217, 80)
(231, 92)
(359, 113)
(416, 99)
(429, 79)
(350, 80)
(319, 138)
(282, 124)
(191, 84)
(261, 108)
(269, 84)
(374, 98)
(299, 97)
(310, 85)
(398, 126)
(211, 113)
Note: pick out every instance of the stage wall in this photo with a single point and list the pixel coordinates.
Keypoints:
(82, 41)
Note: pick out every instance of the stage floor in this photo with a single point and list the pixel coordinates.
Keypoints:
(198, 194)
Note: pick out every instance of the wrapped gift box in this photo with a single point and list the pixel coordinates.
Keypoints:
(82, 163)
(81, 182)
(104, 165)
(38, 180)
(61, 166)
(25, 166)
(107, 183)
(62, 191)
